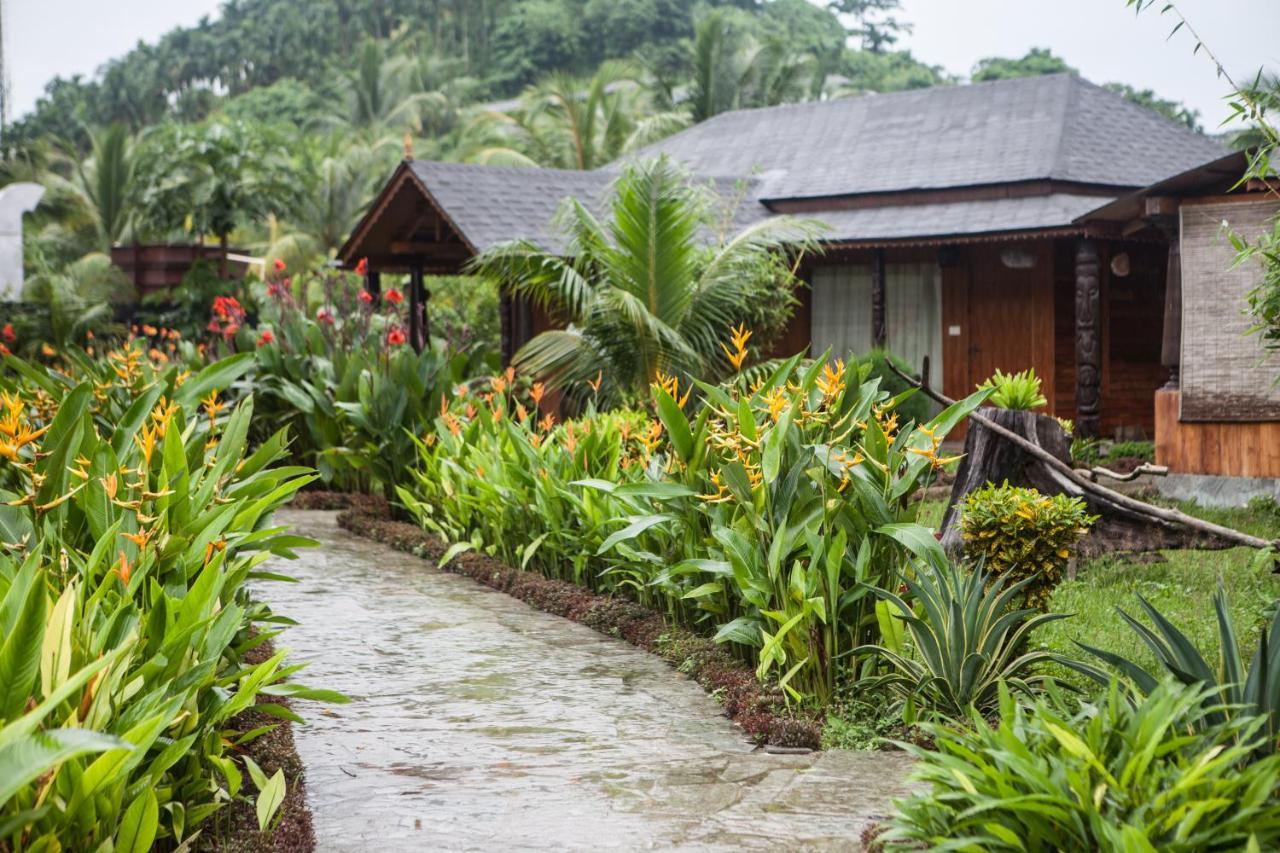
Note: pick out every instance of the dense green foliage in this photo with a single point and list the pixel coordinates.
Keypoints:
(1021, 534)
(1016, 391)
(134, 514)
(1161, 774)
(769, 515)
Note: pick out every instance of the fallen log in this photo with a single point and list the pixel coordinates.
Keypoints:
(1039, 458)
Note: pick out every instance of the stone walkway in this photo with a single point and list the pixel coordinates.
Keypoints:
(481, 724)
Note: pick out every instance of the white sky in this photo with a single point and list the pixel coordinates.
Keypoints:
(1100, 37)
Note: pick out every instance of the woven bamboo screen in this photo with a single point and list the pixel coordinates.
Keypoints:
(1226, 373)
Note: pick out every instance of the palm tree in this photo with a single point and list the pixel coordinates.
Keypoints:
(732, 70)
(104, 179)
(569, 123)
(74, 299)
(380, 95)
(337, 183)
(651, 289)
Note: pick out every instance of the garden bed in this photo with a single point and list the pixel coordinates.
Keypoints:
(758, 708)
(235, 828)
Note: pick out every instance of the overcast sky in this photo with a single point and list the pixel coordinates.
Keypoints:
(1102, 38)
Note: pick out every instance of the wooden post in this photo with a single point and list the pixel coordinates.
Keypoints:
(373, 284)
(417, 330)
(1088, 340)
(1171, 340)
(878, 334)
(506, 325)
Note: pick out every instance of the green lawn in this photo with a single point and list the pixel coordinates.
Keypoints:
(1181, 588)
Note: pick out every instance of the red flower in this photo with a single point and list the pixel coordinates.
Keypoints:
(396, 337)
(280, 265)
(366, 297)
(265, 338)
(394, 296)
(362, 266)
(275, 289)
(324, 315)
(8, 333)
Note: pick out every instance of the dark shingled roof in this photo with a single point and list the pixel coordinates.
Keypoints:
(495, 204)
(1055, 126)
(1050, 128)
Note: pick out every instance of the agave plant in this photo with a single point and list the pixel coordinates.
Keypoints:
(968, 640)
(1254, 691)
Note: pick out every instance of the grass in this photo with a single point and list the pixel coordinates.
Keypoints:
(1181, 587)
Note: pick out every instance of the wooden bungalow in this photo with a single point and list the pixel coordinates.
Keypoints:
(955, 231)
(1219, 413)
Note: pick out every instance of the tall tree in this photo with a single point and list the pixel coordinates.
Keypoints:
(873, 21)
(1038, 60)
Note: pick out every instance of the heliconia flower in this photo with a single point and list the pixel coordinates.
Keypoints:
(124, 570)
(280, 265)
(396, 337)
(362, 266)
(394, 296)
(265, 338)
(366, 297)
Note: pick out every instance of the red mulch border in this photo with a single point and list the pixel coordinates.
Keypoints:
(759, 709)
(234, 827)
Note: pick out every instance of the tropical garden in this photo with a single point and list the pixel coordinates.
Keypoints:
(781, 512)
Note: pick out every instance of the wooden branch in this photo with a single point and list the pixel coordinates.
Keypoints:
(1092, 474)
(1069, 478)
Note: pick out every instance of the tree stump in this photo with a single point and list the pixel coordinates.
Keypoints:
(990, 458)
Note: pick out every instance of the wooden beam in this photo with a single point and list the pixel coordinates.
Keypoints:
(430, 250)
(879, 334)
(1088, 339)
(1158, 205)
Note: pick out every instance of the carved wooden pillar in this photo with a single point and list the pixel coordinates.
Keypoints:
(1088, 340)
(417, 310)
(878, 335)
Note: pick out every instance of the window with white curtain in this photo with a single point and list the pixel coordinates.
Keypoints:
(841, 313)
(913, 315)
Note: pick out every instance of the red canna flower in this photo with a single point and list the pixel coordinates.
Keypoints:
(362, 266)
(394, 296)
(280, 265)
(396, 337)
(366, 297)
(265, 338)
(325, 316)
(9, 335)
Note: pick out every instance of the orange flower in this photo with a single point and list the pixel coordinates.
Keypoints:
(362, 266)
(124, 570)
(537, 393)
(547, 422)
(280, 265)
(595, 386)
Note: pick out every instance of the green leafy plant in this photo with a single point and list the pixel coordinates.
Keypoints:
(1235, 689)
(133, 514)
(968, 640)
(1022, 534)
(1160, 774)
(1019, 391)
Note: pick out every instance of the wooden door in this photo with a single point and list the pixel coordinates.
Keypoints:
(1011, 315)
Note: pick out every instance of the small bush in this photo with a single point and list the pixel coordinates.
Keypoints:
(1111, 775)
(1020, 391)
(1021, 533)
(915, 408)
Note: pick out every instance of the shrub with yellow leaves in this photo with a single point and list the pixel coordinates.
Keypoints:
(1021, 533)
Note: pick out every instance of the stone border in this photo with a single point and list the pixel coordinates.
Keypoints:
(759, 709)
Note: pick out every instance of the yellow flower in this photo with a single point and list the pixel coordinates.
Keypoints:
(831, 382)
(738, 354)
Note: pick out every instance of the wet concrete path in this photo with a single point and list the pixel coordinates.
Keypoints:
(481, 724)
